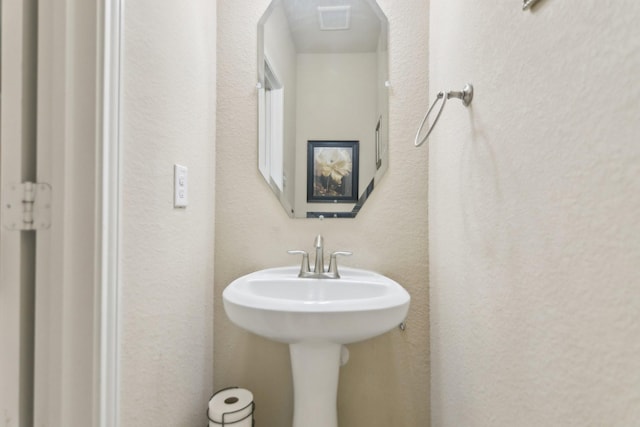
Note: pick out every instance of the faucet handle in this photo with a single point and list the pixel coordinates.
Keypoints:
(304, 267)
(333, 262)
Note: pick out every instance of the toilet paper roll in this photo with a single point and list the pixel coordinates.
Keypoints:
(234, 404)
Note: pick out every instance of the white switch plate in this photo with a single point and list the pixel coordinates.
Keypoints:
(180, 186)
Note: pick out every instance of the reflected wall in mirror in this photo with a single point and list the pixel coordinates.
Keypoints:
(322, 76)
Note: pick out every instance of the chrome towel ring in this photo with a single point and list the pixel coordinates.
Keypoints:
(466, 96)
(439, 96)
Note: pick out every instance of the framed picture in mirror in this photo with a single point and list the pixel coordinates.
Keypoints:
(332, 171)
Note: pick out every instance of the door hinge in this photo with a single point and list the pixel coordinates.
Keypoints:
(27, 206)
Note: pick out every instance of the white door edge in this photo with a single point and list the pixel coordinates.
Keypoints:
(108, 378)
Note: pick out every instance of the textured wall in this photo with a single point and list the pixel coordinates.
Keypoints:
(386, 382)
(534, 206)
(167, 254)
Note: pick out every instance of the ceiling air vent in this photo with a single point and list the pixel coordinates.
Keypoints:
(334, 17)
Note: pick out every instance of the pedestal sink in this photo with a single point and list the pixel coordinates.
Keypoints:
(316, 317)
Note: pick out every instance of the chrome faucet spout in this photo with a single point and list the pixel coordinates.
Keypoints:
(318, 271)
(319, 245)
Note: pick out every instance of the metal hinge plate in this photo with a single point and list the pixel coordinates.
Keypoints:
(26, 206)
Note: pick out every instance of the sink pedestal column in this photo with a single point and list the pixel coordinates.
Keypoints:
(315, 367)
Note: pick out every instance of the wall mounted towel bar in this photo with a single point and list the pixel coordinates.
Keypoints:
(465, 95)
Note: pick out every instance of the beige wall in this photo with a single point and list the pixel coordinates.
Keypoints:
(386, 382)
(533, 215)
(168, 111)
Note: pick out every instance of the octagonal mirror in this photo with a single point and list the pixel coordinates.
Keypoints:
(323, 104)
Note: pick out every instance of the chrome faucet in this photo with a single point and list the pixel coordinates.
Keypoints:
(318, 269)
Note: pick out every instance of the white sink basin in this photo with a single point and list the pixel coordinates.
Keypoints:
(316, 317)
(276, 304)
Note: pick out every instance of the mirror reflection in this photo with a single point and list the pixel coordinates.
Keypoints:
(322, 104)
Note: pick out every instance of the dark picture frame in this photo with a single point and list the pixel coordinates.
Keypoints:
(332, 171)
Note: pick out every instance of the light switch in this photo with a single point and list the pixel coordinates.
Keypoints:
(180, 186)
